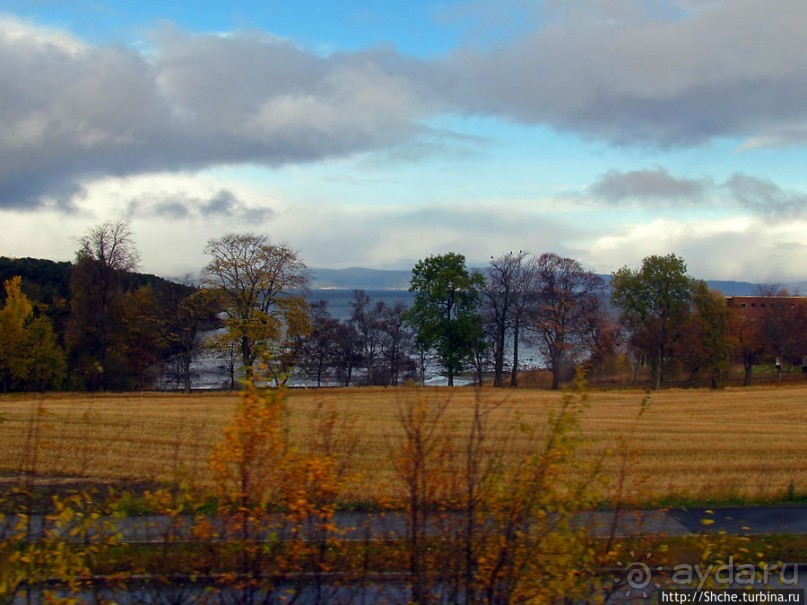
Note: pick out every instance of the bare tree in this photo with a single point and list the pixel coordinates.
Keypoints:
(188, 318)
(111, 245)
(501, 293)
(105, 253)
(780, 325)
(320, 345)
(567, 295)
(366, 318)
(347, 351)
(523, 301)
(602, 338)
(396, 342)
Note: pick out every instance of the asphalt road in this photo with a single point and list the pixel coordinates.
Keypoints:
(373, 526)
(745, 520)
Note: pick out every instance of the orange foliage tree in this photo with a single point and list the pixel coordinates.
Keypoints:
(275, 501)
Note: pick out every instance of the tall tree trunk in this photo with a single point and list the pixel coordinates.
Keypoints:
(659, 366)
(514, 373)
(186, 371)
(498, 370)
(246, 358)
(319, 371)
(556, 363)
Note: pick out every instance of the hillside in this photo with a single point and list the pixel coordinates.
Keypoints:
(46, 281)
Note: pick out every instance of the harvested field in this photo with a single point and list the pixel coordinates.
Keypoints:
(689, 444)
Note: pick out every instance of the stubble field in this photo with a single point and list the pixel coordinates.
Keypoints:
(698, 445)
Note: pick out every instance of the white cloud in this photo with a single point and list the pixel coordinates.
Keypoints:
(742, 248)
(16, 30)
(196, 101)
(172, 217)
(646, 74)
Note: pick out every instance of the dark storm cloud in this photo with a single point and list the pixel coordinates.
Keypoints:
(649, 188)
(226, 204)
(170, 209)
(223, 204)
(655, 184)
(765, 197)
(658, 74)
(71, 112)
(67, 112)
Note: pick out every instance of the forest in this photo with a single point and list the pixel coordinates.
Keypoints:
(97, 324)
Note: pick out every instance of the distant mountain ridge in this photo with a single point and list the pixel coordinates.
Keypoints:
(358, 278)
(44, 279)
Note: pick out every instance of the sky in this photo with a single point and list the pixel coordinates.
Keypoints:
(375, 134)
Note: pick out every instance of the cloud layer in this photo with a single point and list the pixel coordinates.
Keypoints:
(145, 133)
(630, 72)
(649, 184)
(73, 112)
(651, 73)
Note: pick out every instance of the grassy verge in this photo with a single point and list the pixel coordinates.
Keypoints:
(188, 558)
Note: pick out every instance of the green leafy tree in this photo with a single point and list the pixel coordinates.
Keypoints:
(708, 340)
(654, 304)
(146, 338)
(445, 312)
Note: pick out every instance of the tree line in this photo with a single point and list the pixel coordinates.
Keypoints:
(96, 324)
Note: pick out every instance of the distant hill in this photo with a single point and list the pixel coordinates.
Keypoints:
(733, 288)
(797, 288)
(46, 281)
(357, 278)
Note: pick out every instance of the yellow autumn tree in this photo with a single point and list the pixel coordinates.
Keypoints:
(30, 357)
(260, 285)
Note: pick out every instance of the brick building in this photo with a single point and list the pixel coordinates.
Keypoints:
(755, 307)
(789, 311)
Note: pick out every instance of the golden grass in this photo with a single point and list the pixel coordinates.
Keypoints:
(690, 444)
